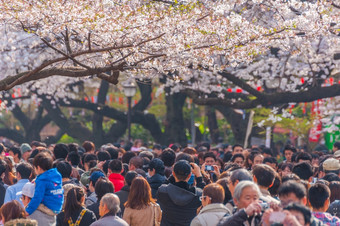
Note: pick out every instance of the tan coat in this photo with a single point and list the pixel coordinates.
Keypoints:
(145, 217)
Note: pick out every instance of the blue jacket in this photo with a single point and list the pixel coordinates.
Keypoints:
(48, 191)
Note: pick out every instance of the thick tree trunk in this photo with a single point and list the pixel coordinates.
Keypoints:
(212, 124)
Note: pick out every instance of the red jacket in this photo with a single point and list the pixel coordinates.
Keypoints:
(117, 181)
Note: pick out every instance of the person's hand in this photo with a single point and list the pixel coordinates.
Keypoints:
(195, 169)
(290, 220)
(203, 167)
(216, 170)
(253, 208)
(266, 216)
(100, 165)
(276, 207)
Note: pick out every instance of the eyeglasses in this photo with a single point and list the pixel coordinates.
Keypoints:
(203, 197)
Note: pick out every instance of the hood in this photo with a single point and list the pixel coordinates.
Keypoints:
(157, 178)
(180, 196)
(51, 175)
(215, 207)
(116, 176)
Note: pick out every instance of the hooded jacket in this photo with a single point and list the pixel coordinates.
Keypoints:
(48, 191)
(155, 182)
(117, 181)
(179, 203)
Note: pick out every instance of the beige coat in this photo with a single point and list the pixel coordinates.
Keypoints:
(145, 217)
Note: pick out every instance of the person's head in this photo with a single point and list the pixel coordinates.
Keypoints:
(109, 205)
(336, 146)
(264, 175)
(60, 151)
(140, 194)
(157, 148)
(237, 176)
(94, 177)
(130, 175)
(182, 171)
(15, 153)
(25, 170)
(156, 166)
(25, 150)
(103, 156)
(3, 166)
(334, 187)
(212, 193)
(304, 170)
(331, 165)
(103, 186)
(254, 158)
(288, 152)
(42, 162)
(89, 147)
(190, 151)
(301, 213)
(27, 193)
(286, 169)
(318, 196)
(292, 191)
(115, 166)
(267, 152)
(273, 190)
(90, 161)
(113, 151)
(331, 177)
(146, 154)
(128, 156)
(245, 193)
(74, 201)
(73, 158)
(238, 159)
(64, 168)
(12, 210)
(237, 149)
(136, 163)
(168, 156)
(270, 161)
(224, 182)
(303, 157)
(209, 159)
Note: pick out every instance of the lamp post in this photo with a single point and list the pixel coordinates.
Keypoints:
(129, 91)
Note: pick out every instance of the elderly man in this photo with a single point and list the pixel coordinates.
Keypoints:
(247, 199)
(108, 208)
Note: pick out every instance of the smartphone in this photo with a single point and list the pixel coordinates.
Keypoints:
(209, 168)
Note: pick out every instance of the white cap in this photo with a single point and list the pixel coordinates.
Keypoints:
(27, 190)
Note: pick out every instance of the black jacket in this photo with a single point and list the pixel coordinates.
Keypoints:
(87, 219)
(239, 218)
(179, 203)
(95, 208)
(2, 192)
(155, 182)
(123, 195)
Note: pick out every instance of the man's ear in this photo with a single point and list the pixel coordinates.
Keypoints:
(235, 202)
(254, 179)
(109, 171)
(188, 178)
(304, 200)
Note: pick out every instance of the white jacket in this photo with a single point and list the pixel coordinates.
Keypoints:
(210, 215)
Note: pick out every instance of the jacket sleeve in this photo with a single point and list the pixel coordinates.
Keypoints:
(195, 222)
(9, 195)
(38, 196)
(237, 219)
(200, 183)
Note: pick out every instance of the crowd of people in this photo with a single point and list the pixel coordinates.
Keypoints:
(80, 185)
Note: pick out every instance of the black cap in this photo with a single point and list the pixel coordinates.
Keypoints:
(182, 168)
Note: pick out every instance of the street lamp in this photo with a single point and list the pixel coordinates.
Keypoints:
(129, 91)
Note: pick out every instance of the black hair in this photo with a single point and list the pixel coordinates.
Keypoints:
(127, 156)
(43, 160)
(209, 155)
(103, 155)
(270, 160)
(253, 154)
(227, 156)
(125, 169)
(337, 145)
(206, 145)
(2, 148)
(317, 195)
(237, 156)
(284, 165)
(64, 168)
(146, 154)
(331, 177)
(60, 151)
(290, 148)
(90, 157)
(289, 177)
(294, 187)
(273, 190)
(176, 146)
(240, 175)
(236, 145)
(102, 187)
(158, 165)
(113, 152)
(130, 176)
(25, 170)
(303, 156)
(157, 146)
(115, 166)
(73, 147)
(267, 151)
(3, 166)
(307, 215)
(38, 144)
(34, 153)
(264, 174)
(73, 202)
(168, 156)
(74, 158)
(184, 156)
(16, 151)
(106, 166)
(304, 170)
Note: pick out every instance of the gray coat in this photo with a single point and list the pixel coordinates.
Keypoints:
(110, 221)
(210, 215)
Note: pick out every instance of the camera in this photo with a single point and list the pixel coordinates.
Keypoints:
(264, 206)
(209, 168)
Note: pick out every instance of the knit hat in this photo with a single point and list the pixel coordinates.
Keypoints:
(25, 148)
(331, 164)
(95, 176)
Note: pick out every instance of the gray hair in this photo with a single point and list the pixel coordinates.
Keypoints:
(240, 175)
(242, 185)
(112, 202)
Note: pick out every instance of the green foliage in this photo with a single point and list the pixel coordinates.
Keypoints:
(67, 139)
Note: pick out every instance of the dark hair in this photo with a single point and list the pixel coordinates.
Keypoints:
(157, 146)
(175, 146)
(237, 156)
(60, 151)
(2, 148)
(227, 156)
(184, 156)
(137, 162)
(113, 152)
(38, 144)
(270, 160)
(294, 187)
(264, 174)
(240, 175)
(303, 156)
(215, 192)
(73, 147)
(227, 194)
(337, 145)
(290, 148)
(209, 155)
(289, 177)
(25, 170)
(168, 156)
(12, 210)
(127, 156)
(140, 194)
(317, 195)
(90, 159)
(236, 145)
(190, 151)
(273, 190)
(267, 151)
(304, 170)
(334, 187)
(307, 215)
(3, 166)
(16, 151)
(115, 166)
(43, 160)
(64, 168)
(74, 158)
(284, 165)
(102, 187)
(103, 155)
(73, 202)
(331, 177)
(88, 146)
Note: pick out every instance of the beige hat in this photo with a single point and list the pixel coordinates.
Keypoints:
(337, 154)
(331, 164)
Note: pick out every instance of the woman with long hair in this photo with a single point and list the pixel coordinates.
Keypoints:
(13, 213)
(141, 208)
(74, 213)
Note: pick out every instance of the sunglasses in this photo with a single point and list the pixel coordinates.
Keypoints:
(204, 197)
